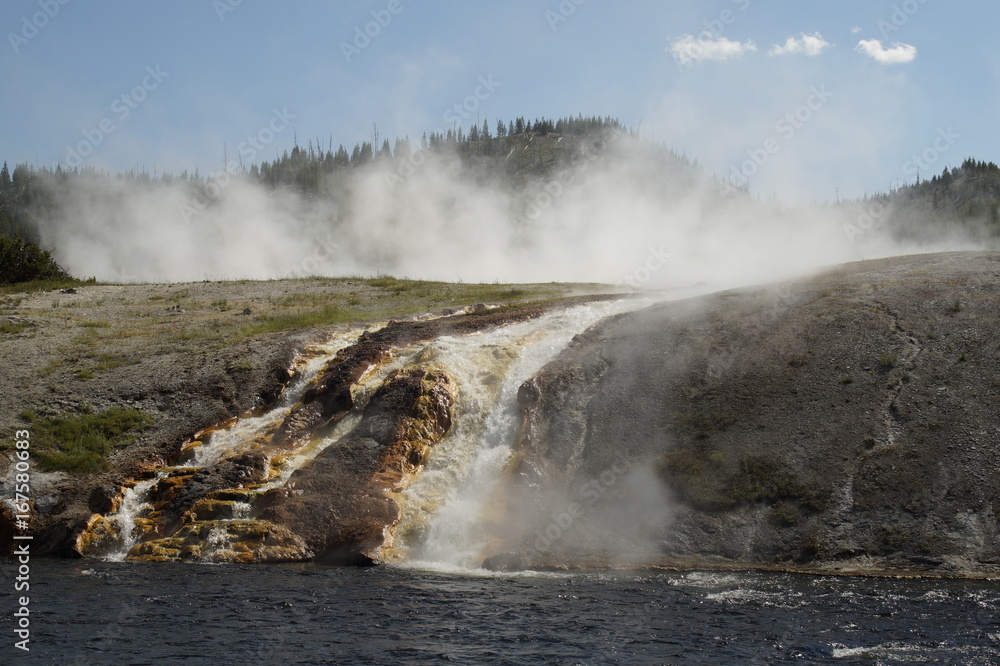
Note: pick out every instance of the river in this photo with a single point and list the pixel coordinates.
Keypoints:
(95, 612)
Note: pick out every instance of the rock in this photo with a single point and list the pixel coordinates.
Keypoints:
(239, 541)
(504, 562)
(342, 502)
(7, 528)
(104, 498)
(736, 410)
(329, 399)
(173, 497)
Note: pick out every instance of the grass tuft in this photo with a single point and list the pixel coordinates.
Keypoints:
(888, 361)
(81, 444)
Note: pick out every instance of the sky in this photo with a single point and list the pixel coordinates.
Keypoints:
(806, 100)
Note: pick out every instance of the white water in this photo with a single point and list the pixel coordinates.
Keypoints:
(361, 393)
(239, 436)
(135, 502)
(245, 432)
(446, 507)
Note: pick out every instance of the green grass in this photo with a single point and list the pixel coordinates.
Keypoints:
(327, 316)
(888, 361)
(15, 327)
(847, 380)
(394, 298)
(44, 285)
(81, 443)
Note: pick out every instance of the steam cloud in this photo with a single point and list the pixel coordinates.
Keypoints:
(629, 215)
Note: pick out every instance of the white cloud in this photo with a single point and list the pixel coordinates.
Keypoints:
(899, 53)
(856, 29)
(688, 50)
(811, 45)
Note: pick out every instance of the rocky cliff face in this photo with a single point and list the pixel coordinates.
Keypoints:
(843, 423)
(848, 422)
(273, 493)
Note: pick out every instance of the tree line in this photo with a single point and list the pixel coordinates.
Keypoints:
(519, 153)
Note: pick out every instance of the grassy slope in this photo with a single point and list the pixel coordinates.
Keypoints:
(75, 356)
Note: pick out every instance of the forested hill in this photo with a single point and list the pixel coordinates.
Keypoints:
(520, 159)
(963, 199)
(511, 153)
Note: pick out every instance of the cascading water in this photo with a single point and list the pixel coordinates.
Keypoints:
(244, 433)
(121, 530)
(134, 503)
(447, 506)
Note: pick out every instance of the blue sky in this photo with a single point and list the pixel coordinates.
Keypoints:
(818, 116)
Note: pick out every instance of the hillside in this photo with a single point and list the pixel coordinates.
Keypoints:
(843, 423)
(962, 201)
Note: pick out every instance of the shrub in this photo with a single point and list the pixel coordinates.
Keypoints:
(21, 261)
(888, 361)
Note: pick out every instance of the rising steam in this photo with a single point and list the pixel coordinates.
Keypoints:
(630, 214)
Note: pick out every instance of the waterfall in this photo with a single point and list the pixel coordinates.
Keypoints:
(242, 434)
(113, 536)
(444, 509)
(134, 503)
(447, 506)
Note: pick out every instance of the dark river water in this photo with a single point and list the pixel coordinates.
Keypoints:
(121, 613)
